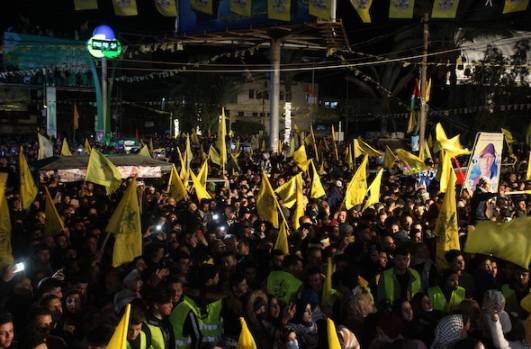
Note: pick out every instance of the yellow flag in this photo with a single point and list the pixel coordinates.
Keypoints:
(333, 340)
(444, 9)
(300, 158)
(222, 133)
(203, 174)
(266, 202)
(280, 146)
(144, 152)
(237, 150)
(151, 147)
(515, 6)
(509, 241)
(412, 122)
(288, 191)
(119, 337)
(175, 186)
(54, 224)
(401, 9)
(446, 225)
(412, 164)
(430, 141)
(357, 188)
(389, 158)
(200, 189)
(194, 137)
(367, 149)
(233, 163)
(452, 146)
(203, 6)
(509, 139)
(126, 226)
(125, 8)
(528, 174)
(264, 146)
(45, 148)
(65, 150)
(243, 8)
(299, 209)
(76, 117)
(334, 143)
(445, 172)
(428, 92)
(320, 9)
(189, 154)
(102, 171)
(327, 287)
(356, 149)
(81, 5)
(246, 340)
(87, 149)
(282, 240)
(374, 190)
(317, 190)
(254, 142)
(362, 8)
(28, 189)
(348, 156)
(213, 155)
(321, 169)
(6, 252)
(280, 10)
(167, 8)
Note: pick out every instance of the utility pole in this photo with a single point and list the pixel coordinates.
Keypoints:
(424, 81)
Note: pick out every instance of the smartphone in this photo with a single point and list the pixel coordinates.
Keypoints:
(19, 267)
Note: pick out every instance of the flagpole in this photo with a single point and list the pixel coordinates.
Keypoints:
(424, 78)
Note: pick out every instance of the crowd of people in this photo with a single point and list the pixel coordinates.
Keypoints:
(207, 264)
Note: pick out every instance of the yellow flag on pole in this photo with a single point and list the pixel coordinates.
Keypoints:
(65, 150)
(389, 158)
(175, 186)
(282, 240)
(452, 146)
(412, 163)
(194, 137)
(317, 187)
(87, 149)
(528, 174)
(356, 149)
(126, 226)
(54, 224)
(200, 189)
(508, 139)
(288, 191)
(266, 202)
(102, 171)
(357, 188)
(367, 149)
(6, 252)
(446, 229)
(119, 338)
(203, 174)
(45, 147)
(28, 189)
(189, 155)
(125, 8)
(222, 133)
(246, 340)
(334, 143)
(374, 190)
(412, 122)
(300, 158)
(299, 209)
(213, 155)
(144, 152)
(327, 287)
(333, 340)
(509, 241)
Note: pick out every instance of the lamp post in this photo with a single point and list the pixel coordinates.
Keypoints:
(103, 45)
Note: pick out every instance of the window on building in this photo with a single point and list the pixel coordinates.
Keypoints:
(262, 115)
(227, 113)
(240, 113)
(333, 105)
(233, 99)
(258, 94)
(255, 114)
(281, 96)
(266, 95)
(251, 94)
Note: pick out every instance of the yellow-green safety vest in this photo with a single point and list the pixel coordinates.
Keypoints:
(416, 285)
(157, 338)
(438, 300)
(142, 342)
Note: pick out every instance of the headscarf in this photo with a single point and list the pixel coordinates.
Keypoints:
(448, 332)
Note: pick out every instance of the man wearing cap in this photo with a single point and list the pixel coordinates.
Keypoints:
(132, 284)
(487, 166)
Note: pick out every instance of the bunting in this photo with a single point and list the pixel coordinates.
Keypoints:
(241, 7)
(401, 8)
(167, 8)
(445, 8)
(204, 6)
(320, 9)
(82, 5)
(515, 6)
(362, 7)
(279, 10)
